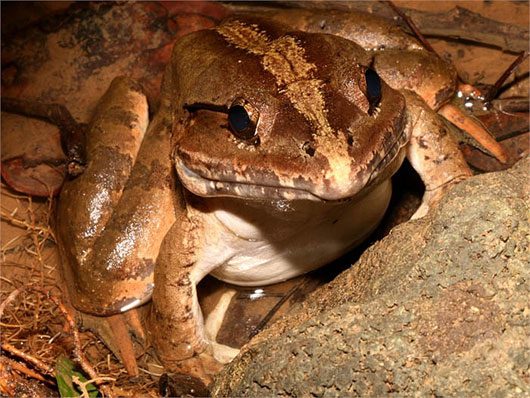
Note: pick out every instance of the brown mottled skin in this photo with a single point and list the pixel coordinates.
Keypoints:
(316, 141)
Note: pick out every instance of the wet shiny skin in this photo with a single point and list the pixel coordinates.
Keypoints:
(250, 207)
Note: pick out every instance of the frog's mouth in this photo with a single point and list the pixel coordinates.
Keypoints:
(205, 185)
(208, 187)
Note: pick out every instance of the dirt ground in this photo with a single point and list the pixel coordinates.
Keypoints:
(34, 330)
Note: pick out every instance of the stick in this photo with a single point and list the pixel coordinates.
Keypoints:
(28, 358)
(25, 370)
(12, 296)
(412, 26)
(500, 81)
(78, 351)
(275, 309)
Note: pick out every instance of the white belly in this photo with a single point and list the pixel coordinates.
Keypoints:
(259, 245)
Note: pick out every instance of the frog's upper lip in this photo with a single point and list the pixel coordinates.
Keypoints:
(208, 185)
(204, 186)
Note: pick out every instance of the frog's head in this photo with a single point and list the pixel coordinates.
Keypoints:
(262, 112)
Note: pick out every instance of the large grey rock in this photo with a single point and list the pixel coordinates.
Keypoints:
(439, 307)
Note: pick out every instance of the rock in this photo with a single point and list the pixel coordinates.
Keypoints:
(439, 307)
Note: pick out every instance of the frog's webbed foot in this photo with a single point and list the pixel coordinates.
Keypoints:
(187, 349)
(475, 130)
(192, 378)
(201, 367)
(117, 333)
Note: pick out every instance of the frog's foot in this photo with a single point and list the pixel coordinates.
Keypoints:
(475, 130)
(223, 353)
(116, 332)
(432, 197)
(200, 368)
(191, 377)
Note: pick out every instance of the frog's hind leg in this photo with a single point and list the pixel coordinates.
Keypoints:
(112, 217)
(434, 81)
(433, 152)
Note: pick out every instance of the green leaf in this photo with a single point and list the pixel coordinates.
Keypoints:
(65, 370)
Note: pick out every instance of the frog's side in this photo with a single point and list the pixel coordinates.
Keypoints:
(305, 183)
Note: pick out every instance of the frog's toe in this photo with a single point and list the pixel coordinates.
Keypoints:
(432, 197)
(223, 353)
(429, 201)
(201, 368)
(116, 332)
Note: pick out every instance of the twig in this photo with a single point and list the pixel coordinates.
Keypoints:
(72, 133)
(25, 370)
(82, 384)
(500, 81)
(512, 105)
(275, 309)
(78, 351)
(411, 25)
(28, 358)
(21, 223)
(12, 296)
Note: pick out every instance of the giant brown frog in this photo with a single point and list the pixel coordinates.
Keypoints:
(270, 155)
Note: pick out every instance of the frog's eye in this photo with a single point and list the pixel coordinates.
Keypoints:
(243, 119)
(373, 89)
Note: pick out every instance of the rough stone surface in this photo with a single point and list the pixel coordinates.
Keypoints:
(439, 307)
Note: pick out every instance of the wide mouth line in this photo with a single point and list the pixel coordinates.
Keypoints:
(193, 175)
(210, 183)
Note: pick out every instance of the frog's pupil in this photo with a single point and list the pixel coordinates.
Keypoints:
(373, 88)
(238, 118)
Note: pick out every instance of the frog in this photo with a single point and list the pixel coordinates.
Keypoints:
(270, 155)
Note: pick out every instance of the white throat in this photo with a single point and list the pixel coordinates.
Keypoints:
(253, 243)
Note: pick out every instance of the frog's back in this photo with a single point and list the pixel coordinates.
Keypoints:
(371, 32)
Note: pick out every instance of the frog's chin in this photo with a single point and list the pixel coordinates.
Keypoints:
(207, 187)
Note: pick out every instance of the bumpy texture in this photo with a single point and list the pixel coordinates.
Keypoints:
(439, 307)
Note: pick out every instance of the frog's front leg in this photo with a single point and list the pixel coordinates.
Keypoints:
(176, 325)
(433, 152)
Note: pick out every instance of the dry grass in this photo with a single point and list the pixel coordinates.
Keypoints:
(35, 332)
